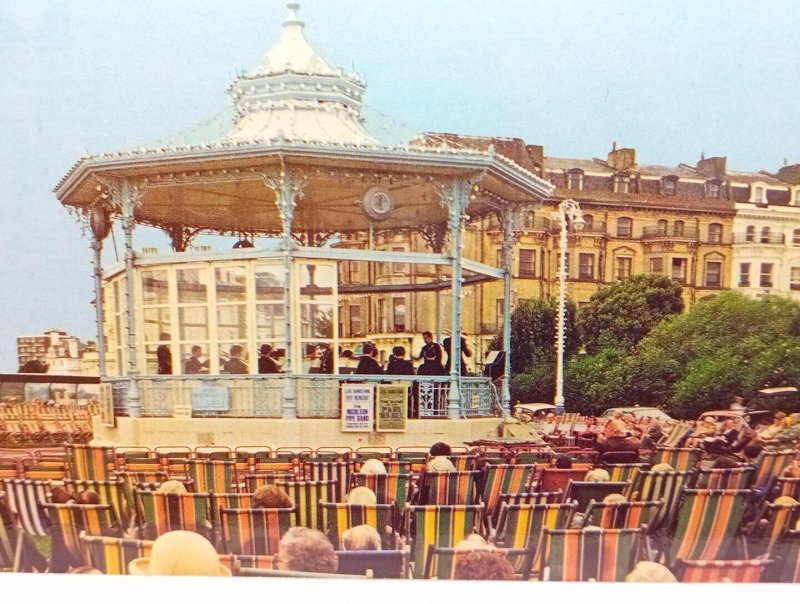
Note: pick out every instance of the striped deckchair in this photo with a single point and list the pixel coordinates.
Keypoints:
(385, 564)
(708, 521)
(337, 471)
(24, 498)
(111, 492)
(208, 475)
(674, 437)
(253, 481)
(112, 555)
(397, 466)
(305, 496)
(589, 554)
(463, 463)
(37, 469)
(341, 516)
(8, 541)
(789, 487)
(388, 488)
(447, 488)
(537, 497)
(416, 459)
(86, 462)
(774, 520)
(556, 479)
(72, 519)
(534, 457)
(681, 459)
(256, 531)
(440, 563)
(439, 525)
(164, 512)
(504, 478)
(716, 571)
(787, 559)
(769, 466)
(723, 478)
(9, 468)
(236, 562)
(582, 492)
(236, 501)
(521, 526)
(655, 486)
(622, 514)
(620, 472)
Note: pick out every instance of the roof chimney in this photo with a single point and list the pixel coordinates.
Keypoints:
(622, 159)
(713, 167)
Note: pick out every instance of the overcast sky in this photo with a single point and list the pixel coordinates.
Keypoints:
(670, 78)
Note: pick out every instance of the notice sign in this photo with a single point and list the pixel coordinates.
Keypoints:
(392, 408)
(358, 401)
(208, 397)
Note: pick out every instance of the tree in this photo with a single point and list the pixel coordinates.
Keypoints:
(622, 314)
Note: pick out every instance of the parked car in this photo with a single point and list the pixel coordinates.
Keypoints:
(528, 412)
(639, 412)
(761, 408)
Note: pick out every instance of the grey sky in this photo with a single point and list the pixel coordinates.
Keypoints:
(671, 79)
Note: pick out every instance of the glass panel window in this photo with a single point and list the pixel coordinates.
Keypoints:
(380, 325)
(156, 324)
(501, 260)
(766, 275)
(715, 233)
(657, 265)
(758, 195)
(193, 323)
(624, 264)
(796, 237)
(192, 285)
(712, 189)
(621, 183)
(794, 279)
(744, 274)
(232, 322)
(269, 282)
(588, 222)
(270, 326)
(624, 227)
(155, 288)
(399, 267)
(399, 314)
(662, 227)
(713, 274)
(797, 197)
(750, 233)
(765, 233)
(668, 186)
(230, 282)
(678, 228)
(575, 180)
(586, 266)
(527, 263)
(355, 320)
(679, 269)
(316, 320)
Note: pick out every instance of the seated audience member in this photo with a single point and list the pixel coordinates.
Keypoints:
(306, 550)
(398, 364)
(473, 541)
(266, 364)
(87, 497)
(563, 462)
(615, 438)
(597, 475)
(373, 466)
(440, 448)
(662, 467)
(235, 364)
(171, 486)
(788, 436)
(180, 553)
(482, 566)
(723, 462)
(614, 498)
(61, 494)
(361, 538)
(650, 572)
(194, 364)
(271, 496)
(362, 496)
(440, 464)
(368, 363)
(769, 432)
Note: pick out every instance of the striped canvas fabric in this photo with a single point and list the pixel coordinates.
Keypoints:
(622, 472)
(87, 462)
(708, 520)
(556, 479)
(584, 554)
(447, 488)
(9, 469)
(521, 526)
(24, 498)
(397, 466)
(582, 492)
(715, 571)
(337, 471)
(70, 519)
(789, 487)
(341, 516)
(774, 522)
(388, 488)
(681, 459)
(8, 539)
(306, 495)
(237, 501)
(112, 555)
(674, 437)
(111, 492)
(255, 480)
(208, 475)
(655, 486)
(622, 514)
(439, 525)
(500, 479)
(463, 462)
(50, 470)
(254, 532)
(724, 478)
(164, 512)
(770, 465)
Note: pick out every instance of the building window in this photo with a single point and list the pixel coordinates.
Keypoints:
(355, 321)
(500, 312)
(668, 185)
(624, 264)
(797, 197)
(399, 267)
(662, 227)
(796, 237)
(621, 183)
(501, 258)
(380, 325)
(765, 234)
(399, 314)
(657, 265)
(715, 233)
(750, 233)
(744, 274)
(758, 195)
(586, 266)
(794, 279)
(527, 263)
(678, 228)
(624, 226)
(353, 272)
(712, 189)
(713, 274)
(575, 180)
(766, 275)
(679, 269)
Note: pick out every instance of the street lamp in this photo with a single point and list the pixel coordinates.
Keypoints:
(569, 214)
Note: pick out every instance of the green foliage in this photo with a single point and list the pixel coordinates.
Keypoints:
(537, 385)
(593, 383)
(622, 314)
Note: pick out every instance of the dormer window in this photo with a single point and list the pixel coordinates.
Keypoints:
(622, 183)
(712, 189)
(575, 180)
(759, 196)
(668, 185)
(796, 199)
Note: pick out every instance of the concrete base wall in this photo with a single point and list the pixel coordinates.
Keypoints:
(233, 432)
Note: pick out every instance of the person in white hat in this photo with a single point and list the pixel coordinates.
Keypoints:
(180, 553)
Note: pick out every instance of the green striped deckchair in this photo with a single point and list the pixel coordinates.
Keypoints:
(521, 526)
(622, 514)
(723, 478)
(255, 480)
(337, 471)
(682, 459)
(255, 531)
(397, 466)
(440, 563)
(499, 479)
(439, 525)
(237, 501)
(708, 522)
(447, 488)
(111, 492)
(341, 516)
(164, 512)
(112, 555)
(582, 492)
(388, 488)
(306, 495)
(656, 486)
(463, 462)
(774, 520)
(87, 462)
(589, 554)
(72, 519)
(236, 562)
(208, 475)
(673, 437)
(716, 571)
(769, 466)
(621, 472)
(24, 499)
(534, 457)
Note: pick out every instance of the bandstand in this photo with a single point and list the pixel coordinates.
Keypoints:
(295, 164)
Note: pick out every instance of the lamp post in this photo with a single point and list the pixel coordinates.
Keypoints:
(568, 214)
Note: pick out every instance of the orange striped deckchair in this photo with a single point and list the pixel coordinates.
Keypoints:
(769, 466)
(87, 462)
(655, 486)
(9, 468)
(237, 501)
(622, 514)
(111, 492)
(582, 492)
(463, 462)
(439, 525)
(440, 563)
(789, 487)
(555, 479)
(337, 471)
(255, 531)
(216, 475)
(306, 495)
(172, 459)
(521, 526)
(164, 512)
(504, 478)
(537, 497)
(253, 481)
(236, 562)
(589, 554)
(388, 488)
(112, 555)
(416, 457)
(397, 466)
(72, 519)
(682, 459)
(447, 488)
(38, 469)
(708, 522)
(341, 516)
(716, 571)
(620, 472)
(774, 520)
(723, 478)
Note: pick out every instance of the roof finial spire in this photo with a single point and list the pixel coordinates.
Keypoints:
(293, 18)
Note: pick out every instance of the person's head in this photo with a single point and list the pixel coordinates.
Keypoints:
(368, 349)
(171, 486)
(87, 497)
(597, 475)
(472, 542)
(440, 448)
(617, 415)
(180, 553)
(650, 572)
(785, 500)
(236, 351)
(779, 417)
(614, 498)
(427, 336)
(399, 352)
(373, 466)
(347, 354)
(271, 496)
(792, 470)
(362, 496)
(662, 467)
(266, 350)
(724, 463)
(361, 538)
(197, 351)
(306, 550)
(752, 451)
(440, 463)
(60, 494)
(563, 462)
(482, 566)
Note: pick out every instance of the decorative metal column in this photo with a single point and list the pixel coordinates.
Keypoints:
(454, 196)
(288, 188)
(100, 225)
